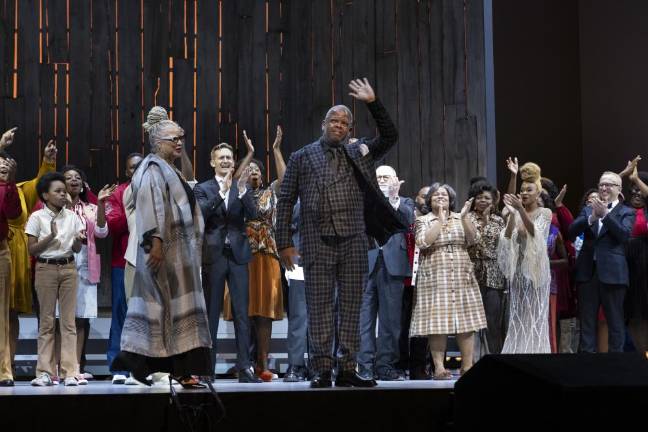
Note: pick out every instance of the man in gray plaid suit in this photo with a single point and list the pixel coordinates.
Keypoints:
(340, 204)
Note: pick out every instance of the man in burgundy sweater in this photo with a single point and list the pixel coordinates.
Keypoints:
(9, 209)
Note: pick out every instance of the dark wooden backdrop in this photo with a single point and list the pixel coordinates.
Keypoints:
(86, 72)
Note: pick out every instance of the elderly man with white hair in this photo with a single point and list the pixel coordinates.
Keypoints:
(601, 266)
(383, 295)
(166, 327)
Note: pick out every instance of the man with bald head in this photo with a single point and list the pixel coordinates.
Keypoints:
(383, 295)
(341, 203)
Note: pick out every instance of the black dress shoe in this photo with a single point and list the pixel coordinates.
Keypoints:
(352, 379)
(7, 383)
(321, 380)
(295, 374)
(247, 376)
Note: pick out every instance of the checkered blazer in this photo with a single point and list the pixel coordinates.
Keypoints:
(307, 174)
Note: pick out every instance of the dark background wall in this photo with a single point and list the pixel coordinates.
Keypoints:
(88, 73)
(614, 84)
(537, 89)
(571, 87)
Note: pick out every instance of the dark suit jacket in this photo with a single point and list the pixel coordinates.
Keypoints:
(221, 222)
(306, 176)
(608, 245)
(395, 250)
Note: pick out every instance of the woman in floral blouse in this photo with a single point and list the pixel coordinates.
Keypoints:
(483, 254)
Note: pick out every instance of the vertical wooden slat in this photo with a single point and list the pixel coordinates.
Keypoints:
(177, 30)
(28, 150)
(183, 99)
(322, 69)
(364, 60)
(386, 85)
(207, 86)
(432, 106)
(229, 72)
(101, 57)
(251, 75)
(58, 38)
(299, 90)
(453, 53)
(408, 93)
(342, 40)
(156, 53)
(80, 143)
(129, 79)
(46, 96)
(7, 23)
(476, 103)
(60, 129)
(276, 103)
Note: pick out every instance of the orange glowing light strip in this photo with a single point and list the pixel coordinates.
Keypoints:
(67, 22)
(267, 99)
(171, 88)
(184, 24)
(40, 31)
(117, 87)
(55, 99)
(67, 112)
(220, 60)
(15, 71)
(195, 86)
(143, 108)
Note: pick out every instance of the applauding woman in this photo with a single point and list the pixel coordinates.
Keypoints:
(522, 256)
(447, 296)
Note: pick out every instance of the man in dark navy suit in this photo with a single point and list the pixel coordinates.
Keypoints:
(225, 205)
(383, 296)
(601, 267)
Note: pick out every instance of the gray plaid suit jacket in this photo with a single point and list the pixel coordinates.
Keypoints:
(306, 176)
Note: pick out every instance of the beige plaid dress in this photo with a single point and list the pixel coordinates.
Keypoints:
(448, 300)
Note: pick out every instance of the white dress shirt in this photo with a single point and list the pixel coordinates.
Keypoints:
(68, 226)
(225, 194)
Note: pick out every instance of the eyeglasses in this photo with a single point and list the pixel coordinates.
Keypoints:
(175, 139)
(608, 185)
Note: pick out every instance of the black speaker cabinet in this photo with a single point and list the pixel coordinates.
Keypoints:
(520, 392)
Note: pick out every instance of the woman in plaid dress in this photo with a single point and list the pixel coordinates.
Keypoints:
(448, 300)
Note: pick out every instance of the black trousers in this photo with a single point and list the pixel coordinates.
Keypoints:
(591, 295)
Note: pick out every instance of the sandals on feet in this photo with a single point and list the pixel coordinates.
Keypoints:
(190, 382)
(443, 376)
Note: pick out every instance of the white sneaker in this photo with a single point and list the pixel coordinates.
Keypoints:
(71, 382)
(131, 381)
(88, 376)
(81, 380)
(43, 380)
(119, 379)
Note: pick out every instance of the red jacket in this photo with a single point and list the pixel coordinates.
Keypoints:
(117, 225)
(10, 207)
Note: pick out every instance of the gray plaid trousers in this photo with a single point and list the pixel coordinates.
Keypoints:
(339, 269)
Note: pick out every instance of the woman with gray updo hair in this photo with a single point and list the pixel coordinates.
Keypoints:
(166, 327)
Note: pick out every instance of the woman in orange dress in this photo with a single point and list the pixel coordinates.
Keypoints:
(266, 296)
